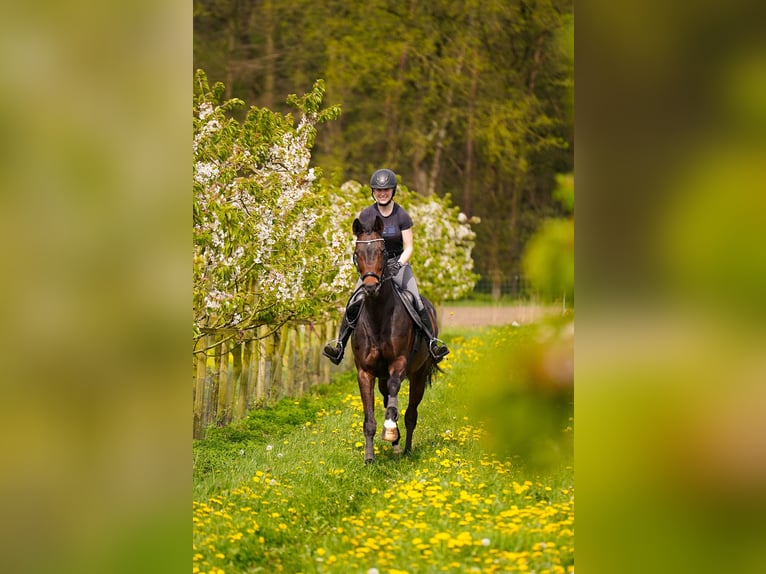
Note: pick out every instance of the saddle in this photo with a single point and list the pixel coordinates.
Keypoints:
(408, 301)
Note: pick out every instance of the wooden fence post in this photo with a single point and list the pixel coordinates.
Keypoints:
(260, 367)
(222, 378)
(305, 365)
(270, 342)
(270, 365)
(288, 373)
(329, 335)
(237, 396)
(199, 394)
(253, 370)
(244, 384)
(280, 342)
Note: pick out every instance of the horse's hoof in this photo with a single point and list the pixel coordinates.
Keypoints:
(390, 431)
(369, 460)
(390, 435)
(397, 449)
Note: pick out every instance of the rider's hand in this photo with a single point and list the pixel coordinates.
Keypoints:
(394, 265)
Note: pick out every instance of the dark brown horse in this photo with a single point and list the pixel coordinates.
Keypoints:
(387, 345)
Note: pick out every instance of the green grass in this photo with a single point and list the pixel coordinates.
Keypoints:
(287, 490)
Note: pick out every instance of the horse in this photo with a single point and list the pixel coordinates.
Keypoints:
(387, 345)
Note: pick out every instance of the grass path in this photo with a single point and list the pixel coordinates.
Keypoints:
(287, 491)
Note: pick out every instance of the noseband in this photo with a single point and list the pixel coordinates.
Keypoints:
(356, 263)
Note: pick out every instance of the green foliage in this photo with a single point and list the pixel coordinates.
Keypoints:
(564, 191)
(548, 260)
(524, 388)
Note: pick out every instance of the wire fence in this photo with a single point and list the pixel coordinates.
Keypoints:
(514, 288)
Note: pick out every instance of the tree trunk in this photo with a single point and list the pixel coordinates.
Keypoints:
(231, 49)
(441, 133)
(391, 111)
(468, 187)
(269, 80)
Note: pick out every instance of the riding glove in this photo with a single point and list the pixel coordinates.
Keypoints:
(394, 265)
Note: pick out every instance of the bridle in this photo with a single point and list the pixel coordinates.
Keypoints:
(356, 262)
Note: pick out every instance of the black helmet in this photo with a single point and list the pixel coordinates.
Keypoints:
(384, 179)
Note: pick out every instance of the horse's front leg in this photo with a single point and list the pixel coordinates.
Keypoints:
(396, 372)
(383, 388)
(366, 382)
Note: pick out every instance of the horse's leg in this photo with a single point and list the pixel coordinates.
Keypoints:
(396, 373)
(383, 388)
(417, 389)
(367, 390)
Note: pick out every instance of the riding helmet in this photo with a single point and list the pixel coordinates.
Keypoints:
(384, 179)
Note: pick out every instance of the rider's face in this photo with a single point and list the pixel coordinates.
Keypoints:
(383, 195)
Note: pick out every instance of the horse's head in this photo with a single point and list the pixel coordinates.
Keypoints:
(370, 253)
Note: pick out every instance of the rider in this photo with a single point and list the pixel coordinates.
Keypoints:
(397, 233)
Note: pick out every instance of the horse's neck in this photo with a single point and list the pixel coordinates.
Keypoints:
(380, 309)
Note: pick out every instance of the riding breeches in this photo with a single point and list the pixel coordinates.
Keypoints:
(405, 280)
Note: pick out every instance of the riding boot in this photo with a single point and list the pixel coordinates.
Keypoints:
(436, 347)
(334, 349)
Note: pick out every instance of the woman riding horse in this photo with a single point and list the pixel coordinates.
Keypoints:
(397, 233)
(388, 347)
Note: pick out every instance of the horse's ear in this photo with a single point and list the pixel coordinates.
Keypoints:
(357, 226)
(378, 226)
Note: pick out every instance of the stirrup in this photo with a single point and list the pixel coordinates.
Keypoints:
(438, 349)
(334, 352)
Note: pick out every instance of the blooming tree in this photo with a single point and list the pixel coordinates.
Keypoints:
(271, 241)
(261, 236)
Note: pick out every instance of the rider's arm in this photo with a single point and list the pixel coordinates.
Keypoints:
(408, 247)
